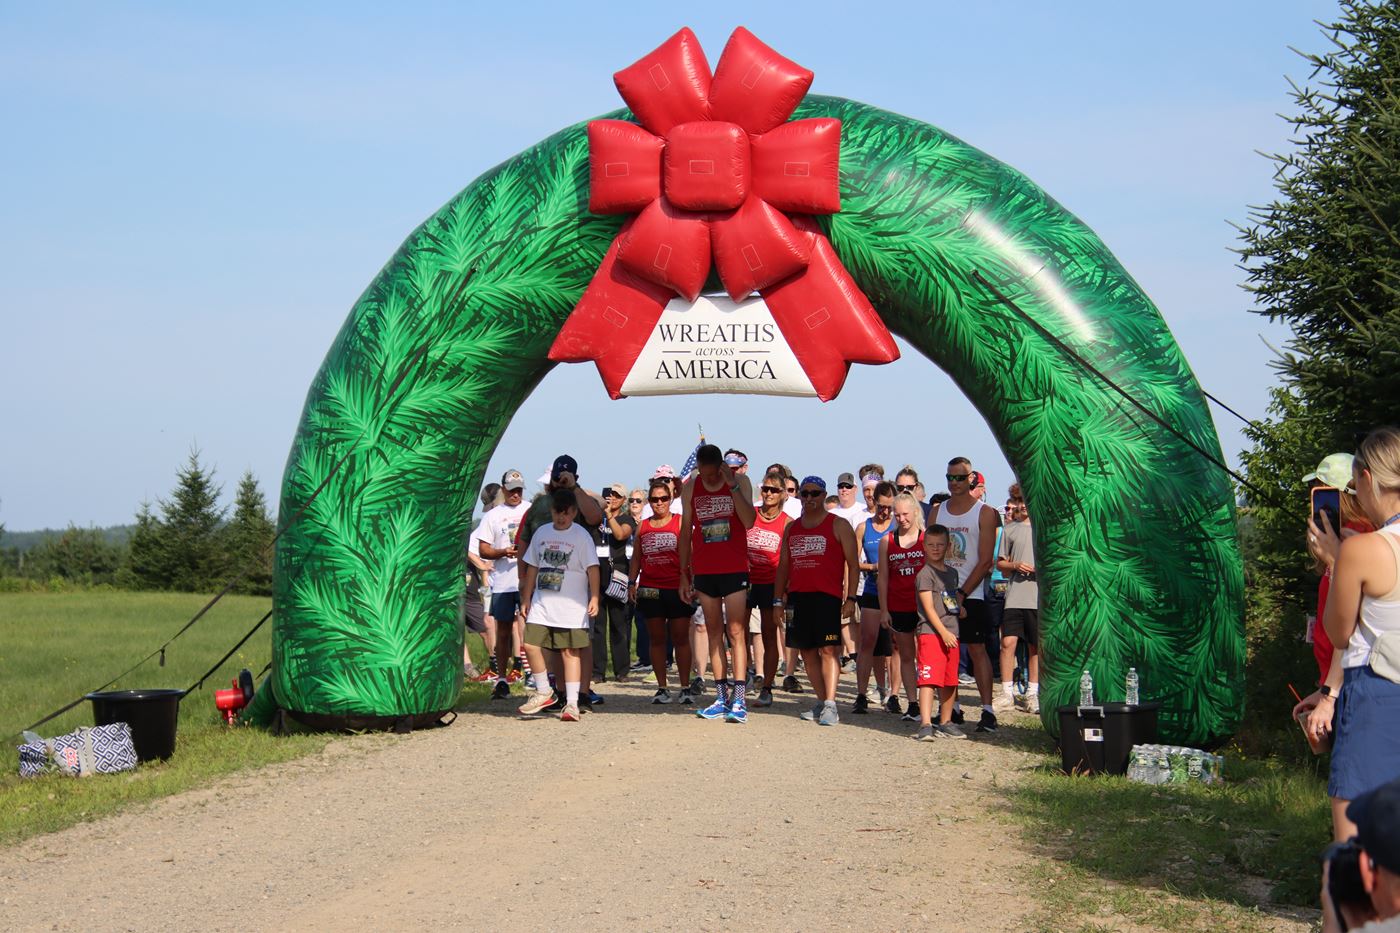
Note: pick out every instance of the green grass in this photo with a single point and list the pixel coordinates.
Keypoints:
(55, 647)
(1175, 857)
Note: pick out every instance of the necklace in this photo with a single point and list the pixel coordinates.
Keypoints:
(1391, 520)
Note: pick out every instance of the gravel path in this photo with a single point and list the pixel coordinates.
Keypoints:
(639, 817)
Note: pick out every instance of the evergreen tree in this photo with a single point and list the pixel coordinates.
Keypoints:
(1325, 259)
(248, 538)
(145, 556)
(78, 555)
(192, 554)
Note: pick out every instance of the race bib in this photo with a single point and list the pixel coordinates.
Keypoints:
(714, 530)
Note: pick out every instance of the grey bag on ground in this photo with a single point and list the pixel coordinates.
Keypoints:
(82, 752)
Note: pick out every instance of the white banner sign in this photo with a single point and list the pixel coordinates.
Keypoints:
(717, 345)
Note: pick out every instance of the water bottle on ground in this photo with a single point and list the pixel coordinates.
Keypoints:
(1086, 690)
(1132, 691)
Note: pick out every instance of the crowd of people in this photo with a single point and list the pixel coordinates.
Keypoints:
(912, 596)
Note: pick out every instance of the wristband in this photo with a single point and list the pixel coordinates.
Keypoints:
(963, 593)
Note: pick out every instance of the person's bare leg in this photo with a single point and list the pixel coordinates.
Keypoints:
(536, 657)
(681, 639)
(1342, 828)
(656, 630)
(831, 672)
(1008, 658)
(1033, 664)
(905, 643)
(865, 651)
(896, 666)
(757, 656)
(882, 674)
(981, 671)
(505, 645)
(926, 706)
(768, 623)
(489, 636)
(946, 698)
(585, 656)
(736, 616)
(849, 638)
(713, 607)
(699, 647)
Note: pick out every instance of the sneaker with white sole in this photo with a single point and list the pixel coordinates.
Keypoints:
(1003, 703)
(720, 707)
(862, 704)
(911, 714)
(829, 716)
(537, 703)
(697, 687)
(1033, 704)
(791, 685)
(967, 680)
(738, 712)
(925, 734)
(687, 698)
(988, 722)
(765, 697)
(946, 730)
(661, 697)
(811, 714)
(569, 713)
(892, 704)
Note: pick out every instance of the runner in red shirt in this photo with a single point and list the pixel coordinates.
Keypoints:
(901, 559)
(765, 541)
(655, 577)
(816, 582)
(714, 557)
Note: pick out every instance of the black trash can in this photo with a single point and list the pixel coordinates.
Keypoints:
(1099, 739)
(152, 715)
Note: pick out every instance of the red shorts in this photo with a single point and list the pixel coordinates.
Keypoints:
(937, 663)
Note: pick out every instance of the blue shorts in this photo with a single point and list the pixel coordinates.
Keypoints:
(504, 606)
(1366, 743)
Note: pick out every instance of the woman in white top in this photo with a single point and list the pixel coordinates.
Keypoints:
(1363, 609)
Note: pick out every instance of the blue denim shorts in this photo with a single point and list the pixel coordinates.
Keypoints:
(1366, 726)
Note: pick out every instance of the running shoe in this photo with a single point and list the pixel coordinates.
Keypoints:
(862, 705)
(828, 715)
(811, 714)
(537, 703)
(697, 687)
(765, 697)
(848, 664)
(911, 714)
(487, 675)
(946, 730)
(925, 734)
(469, 671)
(594, 699)
(584, 704)
(892, 704)
(738, 712)
(1003, 703)
(515, 676)
(715, 710)
(1033, 704)
(1019, 701)
(501, 690)
(791, 685)
(650, 678)
(988, 722)
(958, 717)
(661, 697)
(967, 680)
(687, 699)
(569, 714)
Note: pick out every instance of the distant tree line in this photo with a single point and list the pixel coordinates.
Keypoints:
(187, 543)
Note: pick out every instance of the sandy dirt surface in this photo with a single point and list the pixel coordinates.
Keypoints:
(639, 817)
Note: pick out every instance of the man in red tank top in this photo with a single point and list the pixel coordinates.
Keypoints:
(816, 583)
(714, 554)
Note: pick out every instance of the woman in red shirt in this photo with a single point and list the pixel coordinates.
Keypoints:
(901, 558)
(765, 539)
(655, 580)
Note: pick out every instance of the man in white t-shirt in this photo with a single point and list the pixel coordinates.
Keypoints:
(848, 505)
(558, 596)
(495, 541)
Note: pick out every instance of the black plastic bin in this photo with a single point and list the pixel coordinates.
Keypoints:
(152, 715)
(1099, 739)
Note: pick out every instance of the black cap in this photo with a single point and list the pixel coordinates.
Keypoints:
(1376, 814)
(563, 464)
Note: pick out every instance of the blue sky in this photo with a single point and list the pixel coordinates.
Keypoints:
(194, 195)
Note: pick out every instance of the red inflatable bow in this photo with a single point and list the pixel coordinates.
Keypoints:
(712, 173)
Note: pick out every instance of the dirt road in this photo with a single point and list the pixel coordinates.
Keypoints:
(639, 817)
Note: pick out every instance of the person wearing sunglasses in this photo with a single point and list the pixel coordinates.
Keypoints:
(972, 531)
(816, 584)
(612, 625)
(717, 511)
(907, 481)
(876, 642)
(792, 505)
(655, 579)
(765, 540)
(636, 501)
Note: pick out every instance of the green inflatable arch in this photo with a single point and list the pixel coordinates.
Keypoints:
(964, 257)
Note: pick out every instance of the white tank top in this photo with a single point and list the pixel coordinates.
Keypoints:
(964, 536)
(1378, 615)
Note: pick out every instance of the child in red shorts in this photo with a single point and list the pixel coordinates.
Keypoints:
(940, 607)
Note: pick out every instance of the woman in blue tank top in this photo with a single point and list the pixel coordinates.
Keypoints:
(875, 644)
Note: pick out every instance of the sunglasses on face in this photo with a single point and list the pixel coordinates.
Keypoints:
(770, 490)
(609, 494)
(955, 477)
(883, 508)
(792, 491)
(905, 488)
(636, 500)
(655, 499)
(845, 485)
(813, 494)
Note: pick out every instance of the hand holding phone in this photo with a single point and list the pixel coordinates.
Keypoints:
(1327, 507)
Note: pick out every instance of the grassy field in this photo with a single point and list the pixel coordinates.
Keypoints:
(55, 647)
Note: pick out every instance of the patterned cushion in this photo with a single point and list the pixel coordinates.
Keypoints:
(87, 750)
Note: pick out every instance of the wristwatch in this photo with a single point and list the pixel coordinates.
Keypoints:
(1326, 691)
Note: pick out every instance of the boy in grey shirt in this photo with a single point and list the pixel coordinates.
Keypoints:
(940, 607)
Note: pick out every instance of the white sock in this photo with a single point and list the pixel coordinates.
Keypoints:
(1006, 688)
(957, 707)
(986, 707)
(1033, 689)
(541, 682)
(571, 692)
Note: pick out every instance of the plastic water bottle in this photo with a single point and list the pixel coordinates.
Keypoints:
(1086, 689)
(1132, 691)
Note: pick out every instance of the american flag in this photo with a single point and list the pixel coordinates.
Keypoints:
(690, 462)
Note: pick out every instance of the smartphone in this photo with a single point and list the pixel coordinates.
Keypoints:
(1327, 506)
